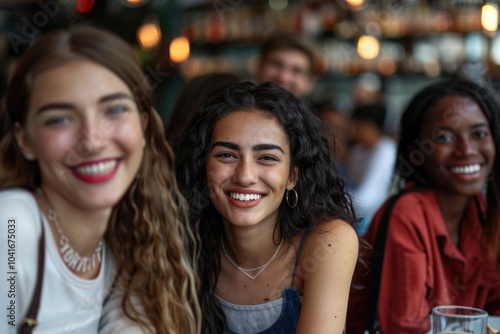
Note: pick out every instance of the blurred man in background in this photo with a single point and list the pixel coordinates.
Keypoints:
(289, 61)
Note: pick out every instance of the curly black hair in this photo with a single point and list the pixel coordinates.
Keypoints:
(409, 167)
(322, 195)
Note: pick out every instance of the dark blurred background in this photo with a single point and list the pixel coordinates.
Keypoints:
(392, 47)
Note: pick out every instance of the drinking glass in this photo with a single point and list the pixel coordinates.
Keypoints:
(451, 319)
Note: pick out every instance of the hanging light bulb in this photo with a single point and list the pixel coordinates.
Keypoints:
(489, 17)
(368, 47)
(355, 4)
(179, 50)
(149, 35)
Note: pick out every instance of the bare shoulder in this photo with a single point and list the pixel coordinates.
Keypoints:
(335, 224)
(333, 237)
(329, 254)
(336, 228)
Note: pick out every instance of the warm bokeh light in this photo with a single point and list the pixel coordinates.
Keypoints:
(355, 4)
(132, 3)
(368, 47)
(179, 50)
(489, 17)
(387, 66)
(149, 35)
(84, 6)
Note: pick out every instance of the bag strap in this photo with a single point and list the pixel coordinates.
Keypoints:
(29, 322)
(378, 259)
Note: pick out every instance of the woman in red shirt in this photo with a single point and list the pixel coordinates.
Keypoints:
(443, 239)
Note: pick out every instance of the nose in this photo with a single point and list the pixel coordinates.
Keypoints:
(464, 147)
(245, 173)
(284, 76)
(92, 136)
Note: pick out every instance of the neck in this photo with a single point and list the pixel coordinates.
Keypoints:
(372, 139)
(250, 248)
(452, 209)
(83, 228)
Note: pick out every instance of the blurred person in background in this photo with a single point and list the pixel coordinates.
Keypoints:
(338, 124)
(370, 161)
(290, 61)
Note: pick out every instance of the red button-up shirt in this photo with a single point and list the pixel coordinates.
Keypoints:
(422, 267)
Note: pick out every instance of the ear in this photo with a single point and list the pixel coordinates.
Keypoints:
(292, 179)
(23, 141)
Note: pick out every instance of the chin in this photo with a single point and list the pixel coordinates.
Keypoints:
(106, 201)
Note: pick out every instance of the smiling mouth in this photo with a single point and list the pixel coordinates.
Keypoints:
(100, 168)
(245, 197)
(465, 170)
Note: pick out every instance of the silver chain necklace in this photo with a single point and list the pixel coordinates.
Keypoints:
(246, 271)
(70, 257)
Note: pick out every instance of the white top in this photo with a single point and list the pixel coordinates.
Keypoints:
(371, 172)
(69, 304)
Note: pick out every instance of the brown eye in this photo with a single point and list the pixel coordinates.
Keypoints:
(440, 136)
(269, 158)
(480, 134)
(224, 155)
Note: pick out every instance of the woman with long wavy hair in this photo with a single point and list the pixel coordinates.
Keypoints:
(277, 247)
(88, 189)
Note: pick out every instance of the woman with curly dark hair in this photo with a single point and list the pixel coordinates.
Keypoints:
(273, 219)
(442, 243)
(89, 194)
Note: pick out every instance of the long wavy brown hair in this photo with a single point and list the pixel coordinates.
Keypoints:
(145, 232)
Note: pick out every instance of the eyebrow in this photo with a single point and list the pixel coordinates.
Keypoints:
(255, 148)
(116, 96)
(480, 125)
(474, 126)
(65, 105)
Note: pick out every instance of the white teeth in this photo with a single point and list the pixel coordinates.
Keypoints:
(98, 168)
(245, 197)
(466, 169)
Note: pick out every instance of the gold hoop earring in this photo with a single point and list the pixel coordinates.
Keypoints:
(295, 202)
